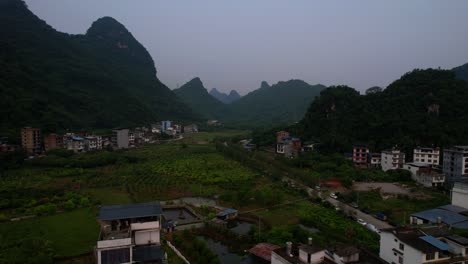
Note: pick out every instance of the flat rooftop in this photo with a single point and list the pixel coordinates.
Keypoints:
(128, 211)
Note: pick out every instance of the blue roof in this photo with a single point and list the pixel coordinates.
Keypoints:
(453, 208)
(447, 217)
(77, 138)
(127, 211)
(462, 225)
(436, 243)
(227, 212)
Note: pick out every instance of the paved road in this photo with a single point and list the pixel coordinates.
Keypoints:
(366, 217)
(348, 209)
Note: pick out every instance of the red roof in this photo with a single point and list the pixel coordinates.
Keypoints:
(263, 250)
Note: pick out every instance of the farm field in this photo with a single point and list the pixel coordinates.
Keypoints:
(69, 233)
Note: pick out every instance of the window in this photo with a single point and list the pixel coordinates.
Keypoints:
(402, 247)
(400, 259)
(430, 256)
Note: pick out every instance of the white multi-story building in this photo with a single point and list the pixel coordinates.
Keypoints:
(460, 194)
(392, 159)
(130, 234)
(417, 246)
(90, 143)
(425, 174)
(455, 164)
(426, 155)
(99, 142)
(120, 138)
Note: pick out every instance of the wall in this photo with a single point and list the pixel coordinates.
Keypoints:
(460, 195)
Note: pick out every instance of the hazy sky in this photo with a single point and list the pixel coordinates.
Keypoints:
(237, 44)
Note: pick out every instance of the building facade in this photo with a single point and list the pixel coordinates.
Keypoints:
(360, 154)
(427, 155)
(120, 138)
(459, 194)
(375, 160)
(165, 125)
(130, 234)
(31, 140)
(392, 159)
(53, 141)
(455, 164)
(416, 246)
(425, 174)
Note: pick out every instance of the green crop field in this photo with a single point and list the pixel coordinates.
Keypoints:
(70, 233)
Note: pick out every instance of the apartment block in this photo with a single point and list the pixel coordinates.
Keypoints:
(427, 155)
(31, 140)
(455, 164)
(120, 138)
(392, 159)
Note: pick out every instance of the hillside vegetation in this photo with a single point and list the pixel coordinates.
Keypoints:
(423, 107)
(102, 79)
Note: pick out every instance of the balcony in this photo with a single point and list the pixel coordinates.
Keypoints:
(145, 225)
(117, 242)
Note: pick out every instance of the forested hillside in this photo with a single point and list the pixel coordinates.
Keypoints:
(423, 107)
(282, 103)
(462, 72)
(194, 94)
(55, 81)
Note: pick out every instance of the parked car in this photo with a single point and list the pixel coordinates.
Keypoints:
(381, 216)
(361, 222)
(317, 188)
(372, 228)
(365, 210)
(332, 195)
(354, 205)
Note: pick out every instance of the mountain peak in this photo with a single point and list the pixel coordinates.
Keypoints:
(234, 93)
(264, 85)
(107, 27)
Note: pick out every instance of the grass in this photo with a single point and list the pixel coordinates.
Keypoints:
(109, 196)
(71, 233)
(209, 136)
(282, 215)
(399, 208)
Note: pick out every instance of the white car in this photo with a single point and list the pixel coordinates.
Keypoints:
(361, 222)
(332, 195)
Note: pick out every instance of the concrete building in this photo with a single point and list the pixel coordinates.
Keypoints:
(455, 164)
(417, 246)
(120, 138)
(459, 195)
(90, 143)
(360, 155)
(75, 143)
(31, 140)
(426, 155)
(290, 147)
(165, 125)
(392, 159)
(131, 138)
(312, 254)
(374, 160)
(53, 141)
(193, 128)
(425, 174)
(130, 234)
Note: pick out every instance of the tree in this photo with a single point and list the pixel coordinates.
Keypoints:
(374, 89)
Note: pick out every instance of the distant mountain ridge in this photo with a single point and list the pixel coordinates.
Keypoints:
(225, 98)
(56, 81)
(282, 103)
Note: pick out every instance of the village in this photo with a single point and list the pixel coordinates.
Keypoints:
(33, 142)
(145, 232)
